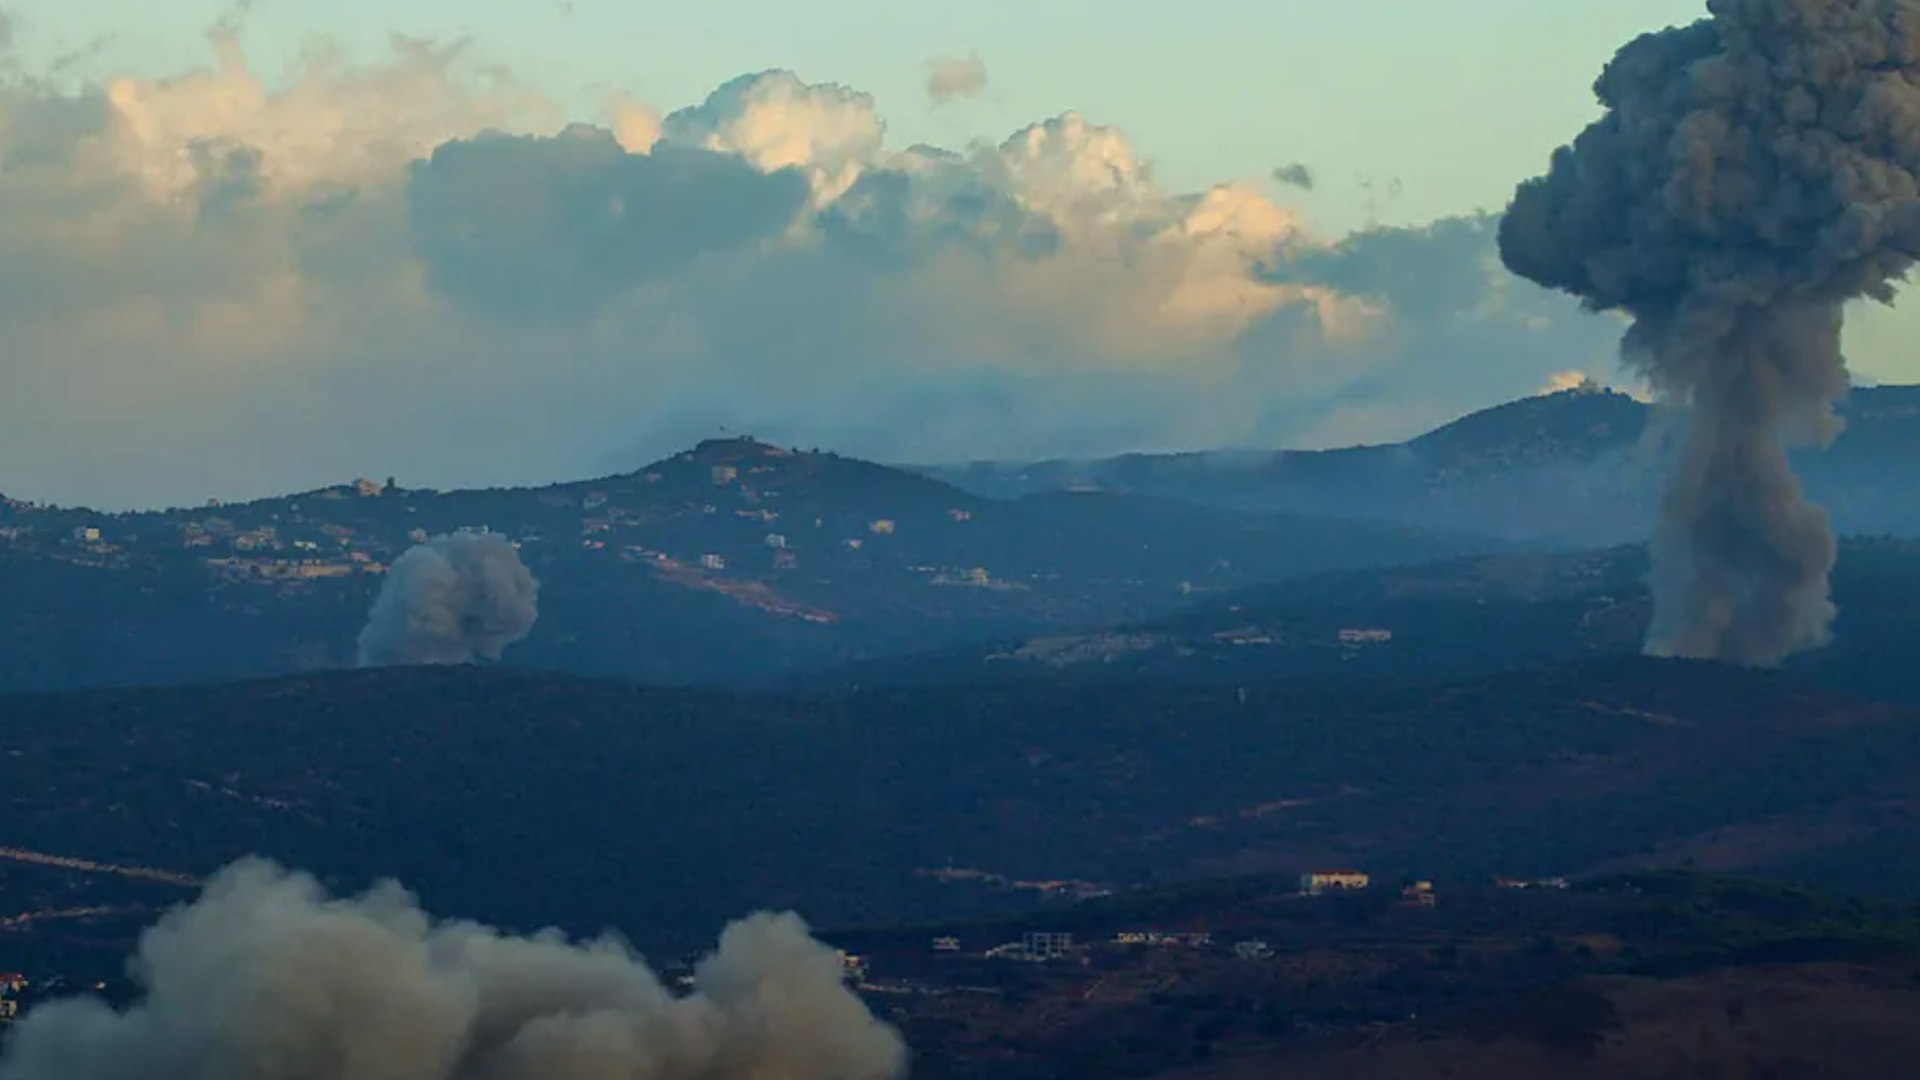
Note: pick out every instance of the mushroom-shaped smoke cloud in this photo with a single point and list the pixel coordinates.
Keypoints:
(1753, 172)
(266, 977)
(451, 600)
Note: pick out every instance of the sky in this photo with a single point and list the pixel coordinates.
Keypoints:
(249, 250)
(1365, 91)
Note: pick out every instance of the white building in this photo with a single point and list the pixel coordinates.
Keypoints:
(1323, 881)
(713, 562)
(1041, 945)
(852, 967)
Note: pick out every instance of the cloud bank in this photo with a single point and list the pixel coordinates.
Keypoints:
(266, 977)
(216, 285)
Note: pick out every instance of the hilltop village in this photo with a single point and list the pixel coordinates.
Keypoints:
(725, 503)
(732, 560)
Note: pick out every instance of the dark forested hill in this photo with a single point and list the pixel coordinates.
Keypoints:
(1449, 618)
(526, 799)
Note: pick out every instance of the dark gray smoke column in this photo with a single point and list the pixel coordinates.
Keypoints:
(1753, 172)
(451, 600)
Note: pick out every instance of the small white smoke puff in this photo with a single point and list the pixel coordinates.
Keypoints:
(451, 600)
(265, 977)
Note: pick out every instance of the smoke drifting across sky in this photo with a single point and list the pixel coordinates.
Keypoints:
(214, 285)
(951, 78)
(1754, 172)
(452, 600)
(266, 977)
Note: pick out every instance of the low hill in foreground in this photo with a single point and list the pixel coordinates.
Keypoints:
(1646, 975)
(1640, 976)
(523, 800)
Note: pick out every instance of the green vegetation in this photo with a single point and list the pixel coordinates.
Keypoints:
(1686, 921)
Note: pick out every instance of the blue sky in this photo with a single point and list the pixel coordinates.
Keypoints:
(1456, 100)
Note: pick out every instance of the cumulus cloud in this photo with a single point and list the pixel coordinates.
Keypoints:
(528, 225)
(773, 120)
(952, 78)
(636, 125)
(221, 285)
(452, 600)
(266, 977)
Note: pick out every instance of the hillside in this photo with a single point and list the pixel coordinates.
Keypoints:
(1442, 619)
(1579, 467)
(525, 799)
(732, 561)
(1648, 975)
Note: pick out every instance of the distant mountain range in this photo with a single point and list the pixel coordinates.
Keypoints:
(732, 561)
(524, 799)
(736, 561)
(1579, 467)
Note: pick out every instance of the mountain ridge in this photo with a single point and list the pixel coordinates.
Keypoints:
(731, 560)
(1582, 466)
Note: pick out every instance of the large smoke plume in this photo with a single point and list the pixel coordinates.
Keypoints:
(1753, 172)
(266, 977)
(451, 600)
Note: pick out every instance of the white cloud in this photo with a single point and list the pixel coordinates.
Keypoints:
(635, 124)
(334, 124)
(217, 285)
(776, 121)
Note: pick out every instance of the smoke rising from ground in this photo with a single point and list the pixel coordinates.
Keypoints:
(266, 977)
(1753, 172)
(452, 600)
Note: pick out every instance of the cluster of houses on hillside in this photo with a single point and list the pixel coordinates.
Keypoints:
(18, 993)
(13, 986)
(1043, 946)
